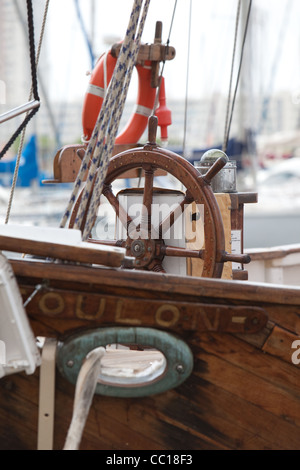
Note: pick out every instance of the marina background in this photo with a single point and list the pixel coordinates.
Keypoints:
(266, 117)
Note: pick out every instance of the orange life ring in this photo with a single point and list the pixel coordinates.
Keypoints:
(95, 94)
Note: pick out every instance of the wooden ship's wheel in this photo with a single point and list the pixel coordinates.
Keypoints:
(147, 252)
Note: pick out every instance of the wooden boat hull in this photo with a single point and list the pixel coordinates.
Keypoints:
(243, 392)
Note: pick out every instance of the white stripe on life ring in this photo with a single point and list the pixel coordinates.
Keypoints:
(96, 90)
(143, 110)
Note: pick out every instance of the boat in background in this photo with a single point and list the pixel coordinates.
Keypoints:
(229, 375)
(275, 219)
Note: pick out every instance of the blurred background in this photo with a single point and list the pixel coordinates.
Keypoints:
(264, 133)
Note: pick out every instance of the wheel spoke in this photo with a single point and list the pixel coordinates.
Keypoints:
(152, 159)
(181, 252)
(124, 218)
(171, 218)
(119, 243)
(147, 200)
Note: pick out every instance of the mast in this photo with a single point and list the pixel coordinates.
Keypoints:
(93, 18)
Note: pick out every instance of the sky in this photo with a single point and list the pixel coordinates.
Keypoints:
(274, 50)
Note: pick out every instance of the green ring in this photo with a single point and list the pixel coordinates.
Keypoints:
(179, 358)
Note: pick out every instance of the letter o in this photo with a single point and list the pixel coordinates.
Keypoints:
(167, 308)
(58, 301)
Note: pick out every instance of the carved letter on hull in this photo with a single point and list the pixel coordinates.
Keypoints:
(182, 316)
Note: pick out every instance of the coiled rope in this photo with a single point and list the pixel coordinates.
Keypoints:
(100, 146)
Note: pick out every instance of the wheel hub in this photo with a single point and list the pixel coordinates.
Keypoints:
(138, 248)
(143, 250)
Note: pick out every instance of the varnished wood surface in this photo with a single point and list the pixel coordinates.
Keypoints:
(166, 283)
(236, 398)
(108, 256)
(242, 394)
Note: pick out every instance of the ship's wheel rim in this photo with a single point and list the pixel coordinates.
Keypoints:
(156, 158)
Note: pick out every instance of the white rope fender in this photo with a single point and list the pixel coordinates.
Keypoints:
(101, 144)
(84, 392)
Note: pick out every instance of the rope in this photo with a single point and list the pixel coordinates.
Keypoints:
(20, 149)
(85, 388)
(34, 80)
(228, 119)
(102, 141)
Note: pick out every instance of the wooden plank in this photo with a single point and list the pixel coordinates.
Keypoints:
(66, 164)
(159, 284)
(288, 318)
(109, 423)
(268, 391)
(224, 206)
(153, 52)
(240, 274)
(233, 421)
(273, 253)
(101, 309)
(203, 413)
(259, 339)
(18, 412)
(281, 304)
(243, 355)
(241, 198)
(197, 415)
(195, 266)
(108, 256)
(279, 344)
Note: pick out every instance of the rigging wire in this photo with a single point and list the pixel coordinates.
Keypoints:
(159, 81)
(85, 34)
(164, 62)
(214, 70)
(33, 92)
(33, 78)
(230, 115)
(42, 86)
(187, 82)
(237, 21)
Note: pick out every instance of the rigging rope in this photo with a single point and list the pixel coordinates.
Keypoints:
(84, 392)
(229, 116)
(34, 80)
(20, 149)
(100, 146)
